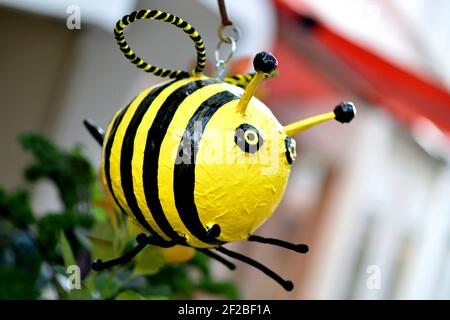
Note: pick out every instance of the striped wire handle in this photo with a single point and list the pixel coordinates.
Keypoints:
(167, 17)
(242, 80)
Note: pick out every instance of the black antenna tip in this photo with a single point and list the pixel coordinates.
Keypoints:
(214, 231)
(141, 238)
(345, 112)
(265, 62)
(288, 285)
(302, 248)
(97, 265)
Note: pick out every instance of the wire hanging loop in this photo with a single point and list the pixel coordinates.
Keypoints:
(222, 61)
(235, 33)
(166, 17)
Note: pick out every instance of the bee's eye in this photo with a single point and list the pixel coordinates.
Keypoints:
(291, 152)
(247, 137)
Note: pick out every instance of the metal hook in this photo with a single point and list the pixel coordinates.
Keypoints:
(221, 62)
(236, 33)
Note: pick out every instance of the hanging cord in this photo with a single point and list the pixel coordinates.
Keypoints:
(167, 17)
(223, 14)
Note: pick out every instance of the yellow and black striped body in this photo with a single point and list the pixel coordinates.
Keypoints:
(172, 164)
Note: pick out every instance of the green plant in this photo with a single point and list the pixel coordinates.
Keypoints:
(36, 252)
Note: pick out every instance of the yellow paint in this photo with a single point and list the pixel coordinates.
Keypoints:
(235, 189)
(139, 148)
(177, 254)
(299, 126)
(249, 92)
(167, 158)
(238, 190)
(116, 149)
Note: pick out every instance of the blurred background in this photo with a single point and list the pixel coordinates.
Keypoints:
(371, 198)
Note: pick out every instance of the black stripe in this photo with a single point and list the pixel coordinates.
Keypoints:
(142, 66)
(140, 14)
(184, 171)
(127, 154)
(165, 73)
(161, 16)
(196, 38)
(133, 16)
(183, 75)
(107, 154)
(152, 13)
(155, 138)
(125, 50)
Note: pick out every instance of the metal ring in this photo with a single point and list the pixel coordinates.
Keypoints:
(236, 33)
(232, 42)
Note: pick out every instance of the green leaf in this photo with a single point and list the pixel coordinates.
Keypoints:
(70, 171)
(15, 206)
(156, 298)
(224, 288)
(67, 253)
(149, 261)
(101, 238)
(107, 284)
(79, 294)
(99, 214)
(129, 295)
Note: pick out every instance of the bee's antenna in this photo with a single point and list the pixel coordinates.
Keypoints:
(95, 130)
(264, 64)
(301, 248)
(219, 258)
(286, 284)
(343, 113)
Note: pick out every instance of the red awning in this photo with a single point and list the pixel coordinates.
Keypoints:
(323, 56)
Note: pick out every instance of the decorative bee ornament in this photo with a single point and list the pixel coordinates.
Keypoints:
(199, 161)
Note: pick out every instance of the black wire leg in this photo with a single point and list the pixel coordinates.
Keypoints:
(95, 130)
(99, 265)
(286, 284)
(301, 248)
(142, 241)
(219, 258)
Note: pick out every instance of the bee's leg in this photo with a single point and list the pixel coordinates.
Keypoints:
(99, 265)
(213, 232)
(301, 248)
(160, 242)
(95, 130)
(286, 284)
(219, 258)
